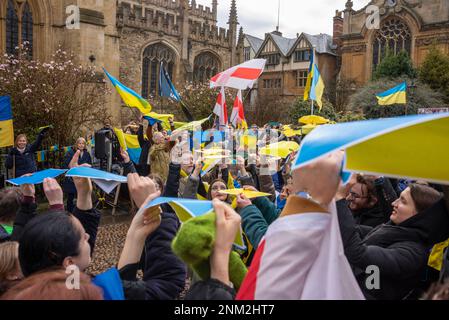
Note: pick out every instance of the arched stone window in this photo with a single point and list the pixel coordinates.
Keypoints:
(152, 58)
(205, 66)
(19, 26)
(27, 28)
(394, 36)
(12, 28)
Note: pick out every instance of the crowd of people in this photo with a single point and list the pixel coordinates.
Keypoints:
(399, 226)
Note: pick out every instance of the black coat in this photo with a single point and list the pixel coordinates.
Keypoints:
(68, 184)
(399, 251)
(164, 274)
(25, 162)
(371, 217)
(145, 145)
(210, 289)
(89, 219)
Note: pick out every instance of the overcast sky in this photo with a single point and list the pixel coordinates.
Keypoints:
(260, 16)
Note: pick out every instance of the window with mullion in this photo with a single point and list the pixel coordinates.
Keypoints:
(12, 29)
(27, 29)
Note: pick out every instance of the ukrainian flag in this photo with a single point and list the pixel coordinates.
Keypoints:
(130, 97)
(317, 87)
(130, 143)
(41, 156)
(315, 84)
(396, 95)
(154, 118)
(309, 79)
(6, 123)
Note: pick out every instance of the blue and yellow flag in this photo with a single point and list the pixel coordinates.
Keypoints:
(54, 148)
(6, 123)
(317, 87)
(130, 143)
(417, 147)
(131, 98)
(41, 156)
(315, 84)
(396, 95)
(153, 118)
(309, 79)
(134, 149)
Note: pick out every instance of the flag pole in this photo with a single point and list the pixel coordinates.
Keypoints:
(311, 86)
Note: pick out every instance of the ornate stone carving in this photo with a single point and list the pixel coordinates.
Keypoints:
(396, 6)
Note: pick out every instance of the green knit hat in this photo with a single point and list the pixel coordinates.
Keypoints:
(194, 244)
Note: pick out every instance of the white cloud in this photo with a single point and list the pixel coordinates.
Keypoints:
(258, 17)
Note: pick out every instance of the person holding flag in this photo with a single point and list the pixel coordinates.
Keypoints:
(21, 157)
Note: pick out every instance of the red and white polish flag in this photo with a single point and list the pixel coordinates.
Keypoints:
(240, 77)
(221, 109)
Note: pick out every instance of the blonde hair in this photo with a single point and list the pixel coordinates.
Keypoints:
(20, 136)
(78, 141)
(9, 259)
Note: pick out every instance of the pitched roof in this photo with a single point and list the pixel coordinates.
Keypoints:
(284, 44)
(254, 42)
(322, 42)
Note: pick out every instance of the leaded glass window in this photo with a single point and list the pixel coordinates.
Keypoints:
(206, 65)
(152, 58)
(394, 36)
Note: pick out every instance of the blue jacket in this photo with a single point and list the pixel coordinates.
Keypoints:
(25, 162)
(68, 185)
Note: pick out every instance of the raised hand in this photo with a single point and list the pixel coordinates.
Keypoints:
(125, 156)
(320, 179)
(140, 188)
(243, 201)
(28, 190)
(53, 192)
(198, 167)
(74, 162)
(227, 225)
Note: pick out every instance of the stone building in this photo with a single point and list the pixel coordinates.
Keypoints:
(288, 62)
(410, 25)
(130, 38)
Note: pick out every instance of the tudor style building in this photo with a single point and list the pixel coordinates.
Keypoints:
(288, 62)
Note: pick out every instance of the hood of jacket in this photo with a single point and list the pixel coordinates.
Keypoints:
(428, 227)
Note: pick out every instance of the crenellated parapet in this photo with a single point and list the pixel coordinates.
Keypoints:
(209, 33)
(201, 11)
(149, 18)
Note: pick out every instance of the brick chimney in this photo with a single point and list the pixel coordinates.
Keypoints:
(338, 27)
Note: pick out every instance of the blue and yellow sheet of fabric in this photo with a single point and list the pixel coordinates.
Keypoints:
(6, 123)
(396, 95)
(131, 98)
(417, 147)
(130, 143)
